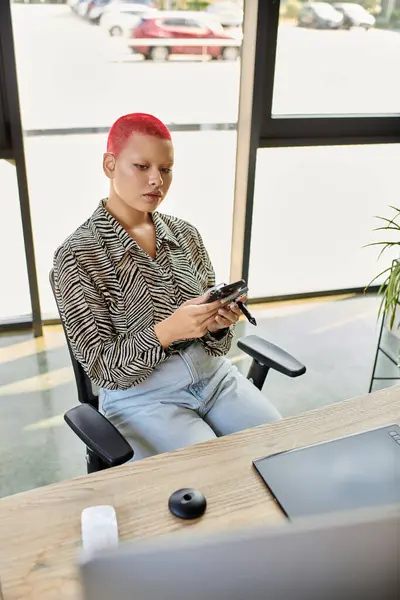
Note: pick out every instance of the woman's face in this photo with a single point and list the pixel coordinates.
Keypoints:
(142, 173)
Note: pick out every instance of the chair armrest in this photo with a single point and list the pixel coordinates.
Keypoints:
(99, 435)
(271, 356)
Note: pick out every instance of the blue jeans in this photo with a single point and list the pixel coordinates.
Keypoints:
(190, 398)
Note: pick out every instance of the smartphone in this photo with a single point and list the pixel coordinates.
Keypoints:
(228, 291)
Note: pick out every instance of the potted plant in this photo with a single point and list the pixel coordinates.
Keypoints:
(390, 288)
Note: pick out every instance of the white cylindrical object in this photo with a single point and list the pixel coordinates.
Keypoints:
(99, 528)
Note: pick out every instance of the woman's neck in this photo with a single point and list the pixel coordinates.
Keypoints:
(128, 217)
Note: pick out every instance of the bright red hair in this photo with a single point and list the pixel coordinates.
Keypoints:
(141, 123)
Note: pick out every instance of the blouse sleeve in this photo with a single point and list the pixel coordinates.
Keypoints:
(117, 361)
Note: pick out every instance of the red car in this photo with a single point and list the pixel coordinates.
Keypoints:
(189, 29)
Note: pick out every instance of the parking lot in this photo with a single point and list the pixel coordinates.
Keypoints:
(72, 75)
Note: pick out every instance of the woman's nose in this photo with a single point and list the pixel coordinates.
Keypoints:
(155, 178)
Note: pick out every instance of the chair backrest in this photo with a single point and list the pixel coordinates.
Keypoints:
(83, 383)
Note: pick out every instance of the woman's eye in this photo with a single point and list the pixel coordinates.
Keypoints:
(141, 167)
(166, 170)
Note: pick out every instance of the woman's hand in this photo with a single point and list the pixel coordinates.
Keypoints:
(227, 316)
(190, 321)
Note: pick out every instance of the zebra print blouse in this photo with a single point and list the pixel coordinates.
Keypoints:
(111, 293)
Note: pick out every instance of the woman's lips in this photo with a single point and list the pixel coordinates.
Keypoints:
(152, 197)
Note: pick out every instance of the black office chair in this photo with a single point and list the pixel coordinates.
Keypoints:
(106, 447)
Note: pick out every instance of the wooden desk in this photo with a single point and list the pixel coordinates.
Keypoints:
(40, 529)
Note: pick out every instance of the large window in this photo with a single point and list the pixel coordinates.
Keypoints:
(75, 79)
(317, 142)
(314, 211)
(317, 154)
(322, 82)
(324, 69)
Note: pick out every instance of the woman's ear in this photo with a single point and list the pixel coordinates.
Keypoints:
(109, 165)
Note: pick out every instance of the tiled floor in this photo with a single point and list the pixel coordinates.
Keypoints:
(334, 338)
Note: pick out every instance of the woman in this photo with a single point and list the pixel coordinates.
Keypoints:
(131, 284)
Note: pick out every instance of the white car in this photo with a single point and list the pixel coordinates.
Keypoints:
(355, 15)
(119, 18)
(82, 7)
(229, 14)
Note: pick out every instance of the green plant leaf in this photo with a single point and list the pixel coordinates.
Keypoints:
(390, 221)
(380, 244)
(387, 228)
(394, 208)
(390, 290)
(382, 251)
(390, 287)
(385, 246)
(377, 277)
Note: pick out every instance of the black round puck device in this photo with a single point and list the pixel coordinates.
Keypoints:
(187, 503)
